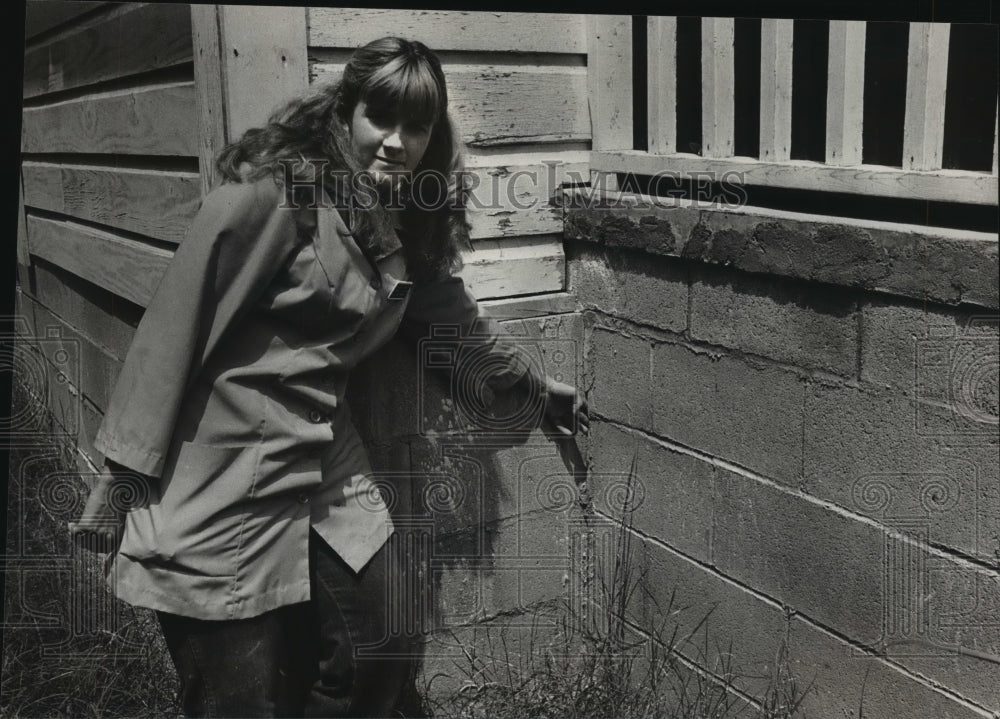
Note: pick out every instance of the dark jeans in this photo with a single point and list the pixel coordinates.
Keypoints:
(306, 659)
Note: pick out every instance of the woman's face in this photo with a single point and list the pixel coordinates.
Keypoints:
(386, 145)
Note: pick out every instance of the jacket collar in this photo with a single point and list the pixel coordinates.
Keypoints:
(331, 225)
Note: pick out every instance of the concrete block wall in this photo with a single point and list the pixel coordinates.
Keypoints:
(814, 431)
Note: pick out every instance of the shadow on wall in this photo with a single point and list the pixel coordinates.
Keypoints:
(475, 489)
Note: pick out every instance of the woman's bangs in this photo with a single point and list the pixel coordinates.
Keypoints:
(411, 86)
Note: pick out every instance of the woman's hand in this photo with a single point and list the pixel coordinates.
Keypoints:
(565, 407)
(116, 490)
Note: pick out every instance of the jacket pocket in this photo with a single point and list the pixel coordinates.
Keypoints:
(195, 524)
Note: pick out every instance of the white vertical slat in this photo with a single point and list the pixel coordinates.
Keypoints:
(845, 92)
(662, 84)
(609, 80)
(775, 89)
(926, 77)
(717, 86)
(609, 87)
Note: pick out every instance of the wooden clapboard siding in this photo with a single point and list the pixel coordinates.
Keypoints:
(42, 15)
(525, 306)
(926, 78)
(845, 92)
(503, 105)
(53, 386)
(506, 268)
(977, 188)
(56, 378)
(158, 120)
(107, 320)
(156, 203)
(450, 30)
(103, 79)
(138, 39)
(495, 105)
(123, 266)
(718, 87)
(776, 89)
(95, 368)
(503, 222)
(90, 277)
(661, 69)
(511, 193)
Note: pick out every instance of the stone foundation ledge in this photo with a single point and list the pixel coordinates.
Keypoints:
(935, 264)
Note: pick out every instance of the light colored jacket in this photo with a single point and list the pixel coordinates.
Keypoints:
(231, 392)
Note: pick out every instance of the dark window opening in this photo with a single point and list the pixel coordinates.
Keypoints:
(810, 47)
(689, 85)
(886, 48)
(640, 84)
(971, 100)
(746, 105)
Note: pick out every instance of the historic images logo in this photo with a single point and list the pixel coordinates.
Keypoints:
(493, 189)
(957, 380)
(930, 599)
(44, 367)
(471, 364)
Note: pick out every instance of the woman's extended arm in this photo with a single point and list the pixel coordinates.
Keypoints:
(236, 245)
(448, 302)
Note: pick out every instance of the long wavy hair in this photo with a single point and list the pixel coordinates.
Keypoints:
(395, 78)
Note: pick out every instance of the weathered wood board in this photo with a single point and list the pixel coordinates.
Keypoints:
(138, 39)
(157, 203)
(42, 16)
(943, 185)
(450, 30)
(501, 104)
(506, 268)
(107, 320)
(156, 120)
(128, 268)
(511, 192)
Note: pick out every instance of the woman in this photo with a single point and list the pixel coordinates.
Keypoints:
(253, 527)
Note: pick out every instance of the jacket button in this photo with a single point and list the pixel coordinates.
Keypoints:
(315, 416)
(303, 498)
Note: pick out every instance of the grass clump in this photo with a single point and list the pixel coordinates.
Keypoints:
(69, 648)
(598, 658)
